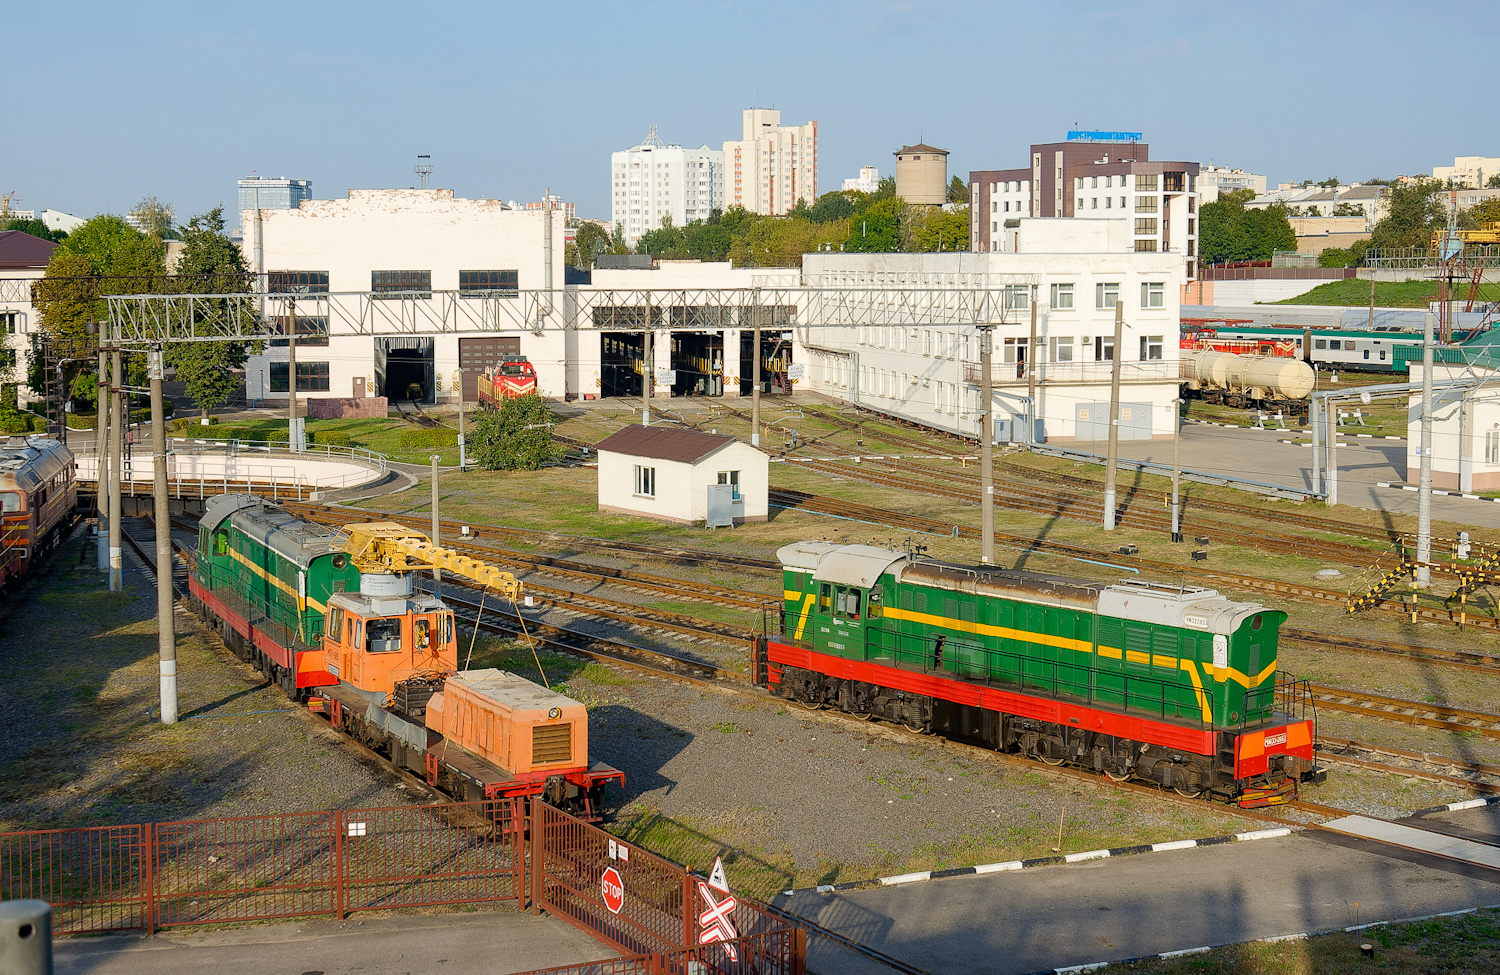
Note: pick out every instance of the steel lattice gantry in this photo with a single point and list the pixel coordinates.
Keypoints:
(158, 319)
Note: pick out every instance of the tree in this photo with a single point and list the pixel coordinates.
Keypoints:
(1352, 256)
(35, 228)
(832, 206)
(1493, 182)
(1486, 212)
(1331, 182)
(1348, 210)
(154, 218)
(515, 436)
(707, 241)
(958, 191)
(210, 263)
(589, 241)
(940, 230)
(1228, 231)
(1414, 213)
(877, 227)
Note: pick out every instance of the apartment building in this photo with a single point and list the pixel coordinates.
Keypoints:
(1468, 171)
(655, 181)
(1092, 174)
(1077, 271)
(23, 261)
(1216, 180)
(771, 166)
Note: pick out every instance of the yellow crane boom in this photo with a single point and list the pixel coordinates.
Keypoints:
(385, 546)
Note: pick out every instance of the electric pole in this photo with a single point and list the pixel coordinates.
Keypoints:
(1112, 461)
(1423, 576)
(166, 632)
(986, 446)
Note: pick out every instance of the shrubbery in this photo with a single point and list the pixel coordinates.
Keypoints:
(424, 439)
(517, 436)
(17, 422)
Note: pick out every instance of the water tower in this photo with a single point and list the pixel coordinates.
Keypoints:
(922, 174)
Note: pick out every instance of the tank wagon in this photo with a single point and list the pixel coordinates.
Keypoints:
(38, 494)
(334, 618)
(1248, 380)
(1173, 686)
(1380, 350)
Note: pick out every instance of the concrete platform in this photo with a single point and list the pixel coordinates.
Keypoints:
(1424, 840)
(498, 942)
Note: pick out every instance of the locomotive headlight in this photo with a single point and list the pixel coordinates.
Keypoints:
(340, 560)
(555, 713)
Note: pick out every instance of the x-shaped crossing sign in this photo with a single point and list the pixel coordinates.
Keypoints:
(714, 922)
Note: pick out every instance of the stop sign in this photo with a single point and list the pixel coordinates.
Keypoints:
(613, 890)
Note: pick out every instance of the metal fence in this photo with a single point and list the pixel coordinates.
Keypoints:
(263, 867)
(255, 868)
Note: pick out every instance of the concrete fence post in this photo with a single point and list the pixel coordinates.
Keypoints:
(26, 937)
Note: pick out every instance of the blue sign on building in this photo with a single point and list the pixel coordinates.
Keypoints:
(1080, 135)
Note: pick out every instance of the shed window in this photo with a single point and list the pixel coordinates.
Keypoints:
(732, 478)
(645, 481)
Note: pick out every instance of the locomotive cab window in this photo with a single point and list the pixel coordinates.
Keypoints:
(447, 628)
(825, 599)
(847, 604)
(335, 629)
(383, 636)
(872, 610)
(422, 633)
(10, 501)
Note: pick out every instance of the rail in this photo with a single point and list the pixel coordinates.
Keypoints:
(1201, 477)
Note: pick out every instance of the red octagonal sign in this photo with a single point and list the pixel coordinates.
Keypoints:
(613, 889)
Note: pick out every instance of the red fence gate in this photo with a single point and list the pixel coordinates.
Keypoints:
(657, 915)
(263, 867)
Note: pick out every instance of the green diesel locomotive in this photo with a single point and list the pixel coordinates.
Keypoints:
(1175, 685)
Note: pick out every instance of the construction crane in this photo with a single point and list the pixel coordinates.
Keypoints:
(388, 547)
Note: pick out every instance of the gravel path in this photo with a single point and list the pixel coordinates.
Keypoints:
(79, 743)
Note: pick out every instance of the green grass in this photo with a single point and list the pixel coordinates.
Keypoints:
(1465, 945)
(382, 435)
(1355, 293)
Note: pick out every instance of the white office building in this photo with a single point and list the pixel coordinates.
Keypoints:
(654, 181)
(400, 245)
(1078, 270)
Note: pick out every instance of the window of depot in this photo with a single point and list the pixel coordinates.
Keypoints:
(732, 478)
(1151, 347)
(312, 331)
(298, 282)
(1017, 297)
(479, 284)
(401, 284)
(1106, 294)
(1492, 447)
(1061, 348)
(1153, 294)
(312, 377)
(1147, 245)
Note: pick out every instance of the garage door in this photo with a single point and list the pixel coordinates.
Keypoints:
(1093, 421)
(484, 355)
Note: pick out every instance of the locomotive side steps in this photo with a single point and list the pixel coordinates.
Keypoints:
(1421, 840)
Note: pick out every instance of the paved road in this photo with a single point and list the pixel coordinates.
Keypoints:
(1114, 909)
(1257, 455)
(488, 943)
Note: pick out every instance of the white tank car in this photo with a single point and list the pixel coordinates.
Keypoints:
(1254, 377)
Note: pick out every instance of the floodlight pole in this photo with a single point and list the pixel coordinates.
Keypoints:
(1423, 576)
(166, 632)
(437, 575)
(1112, 460)
(986, 446)
(101, 451)
(755, 376)
(116, 463)
(1031, 359)
(1176, 470)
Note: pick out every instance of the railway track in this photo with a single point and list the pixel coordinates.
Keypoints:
(1439, 716)
(1417, 765)
(868, 514)
(1469, 660)
(1018, 496)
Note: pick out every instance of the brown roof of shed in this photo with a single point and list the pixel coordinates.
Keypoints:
(664, 443)
(20, 249)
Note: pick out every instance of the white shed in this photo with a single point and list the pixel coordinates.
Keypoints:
(665, 473)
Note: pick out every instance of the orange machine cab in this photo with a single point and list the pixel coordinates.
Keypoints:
(511, 723)
(385, 634)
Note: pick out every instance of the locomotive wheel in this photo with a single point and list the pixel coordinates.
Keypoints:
(811, 705)
(1187, 793)
(914, 724)
(1051, 761)
(1117, 775)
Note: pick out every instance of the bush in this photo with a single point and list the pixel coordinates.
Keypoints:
(82, 421)
(22, 423)
(331, 438)
(425, 439)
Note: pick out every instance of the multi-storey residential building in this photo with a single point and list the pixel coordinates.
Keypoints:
(558, 205)
(654, 181)
(772, 166)
(1091, 176)
(1077, 271)
(1355, 200)
(1214, 180)
(868, 181)
(1468, 171)
(23, 260)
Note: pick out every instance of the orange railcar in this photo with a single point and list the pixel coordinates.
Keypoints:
(515, 377)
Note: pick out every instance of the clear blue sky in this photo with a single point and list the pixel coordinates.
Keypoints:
(112, 102)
